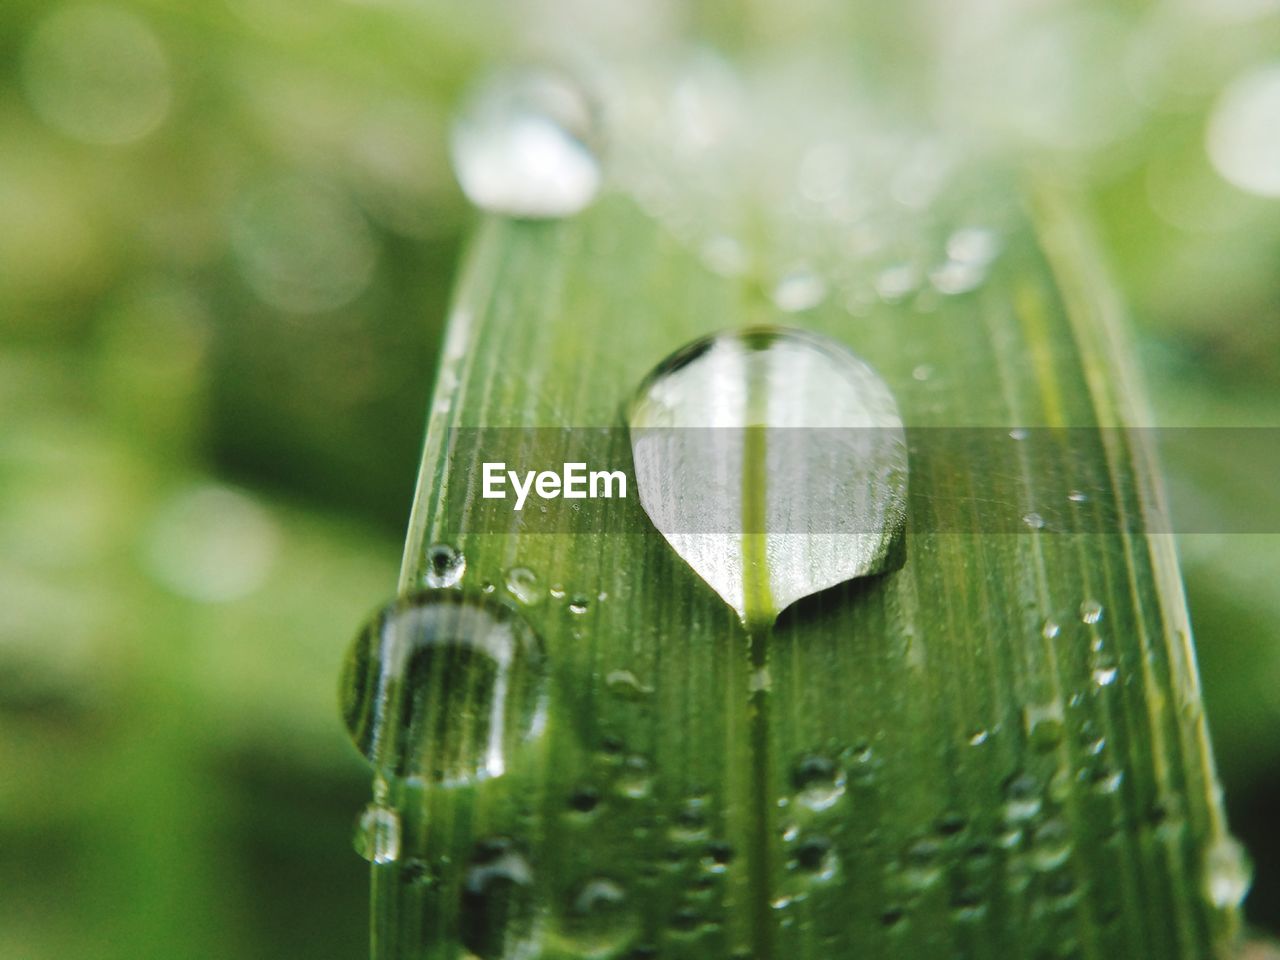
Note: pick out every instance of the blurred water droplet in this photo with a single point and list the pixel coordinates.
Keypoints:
(626, 685)
(1050, 845)
(302, 246)
(922, 372)
(1076, 496)
(97, 73)
(1243, 136)
(445, 566)
(524, 145)
(978, 738)
(725, 255)
(579, 603)
(897, 281)
(1227, 873)
(710, 436)
(1044, 725)
(600, 920)
(1022, 799)
(212, 544)
(1018, 433)
(973, 245)
(377, 837)
(1090, 611)
(1104, 676)
(1050, 629)
(1033, 520)
(799, 290)
(819, 782)
(635, 778)
(443, 688)
(499, 919)
(816, 857)
(523, 584)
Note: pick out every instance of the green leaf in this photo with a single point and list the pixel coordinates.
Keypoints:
(996, 750)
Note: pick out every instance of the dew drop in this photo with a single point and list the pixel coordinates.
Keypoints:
(377, 836)
(789, 460)
(978, 738)
(1078, 496)
(635, 778)
(819, 782)
(442, 688)
(579, 603)
(922, 373)
(1022, 799)
(1227, 873)
(498, 919)
(1050, 630)
(524, 585)
(1090, 611)
(600, 919)
(724, 255)
(524, 145)
(816, 857)
(1050, 845)
(1033, 520)
(445, 566)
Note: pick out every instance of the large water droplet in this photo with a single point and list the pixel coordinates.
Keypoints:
(499, 920)
(524, 145)
(774, 462)
(443, 688)
(600, 919)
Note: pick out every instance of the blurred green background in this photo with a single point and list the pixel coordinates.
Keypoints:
(228, 232)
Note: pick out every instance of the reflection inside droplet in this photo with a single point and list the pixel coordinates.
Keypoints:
(444, 688)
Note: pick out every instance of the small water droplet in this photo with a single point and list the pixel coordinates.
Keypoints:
(1050, 845)
(579, 603)
(600, 920)
(377, 837)
(445, 566)
(1022, 799)
(1091, 611)
(799, 290)
(1033, 520)
(767, 406)
(499, 920)
(819, 782)
(557, 591)
(523, 145)
(955, 277)
(1109, 781)
(1227, 873)
(443, 688)
(1076, 496)
(1104, 676)
(625, 685)
(978, 738)
(816, 857)
(922, 372)
(523, 584)
(1044, 725)
(1050, 629)
(1018, 433)
(635, 777)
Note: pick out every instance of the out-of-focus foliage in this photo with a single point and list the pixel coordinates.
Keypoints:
(227, 233)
